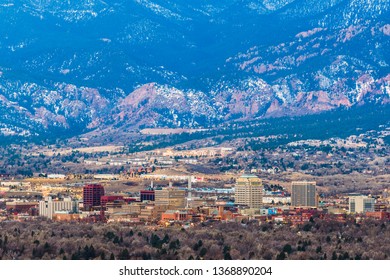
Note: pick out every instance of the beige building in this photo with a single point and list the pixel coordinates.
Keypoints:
(123, 207)
(142, 211)
(303, 194)
(171, 197)
(195, 202)
(114, 207)
(49, 207)
(152, 212)
(361, 204)
(249, 191)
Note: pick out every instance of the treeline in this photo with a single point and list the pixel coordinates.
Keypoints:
(45, 136)
(316, 239)
(337, 123)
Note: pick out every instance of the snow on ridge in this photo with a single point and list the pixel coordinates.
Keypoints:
(159, 10)
(5, 5)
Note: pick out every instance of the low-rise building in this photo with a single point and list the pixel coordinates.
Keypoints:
(378, 215)
(175, 215)
(147, 195)
(56, 176)
(152, 212)
(361, 204)
(21, 206)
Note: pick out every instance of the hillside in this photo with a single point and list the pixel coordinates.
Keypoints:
(70, 67)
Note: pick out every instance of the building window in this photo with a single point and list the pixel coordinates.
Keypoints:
(352, 206)
(368, 205)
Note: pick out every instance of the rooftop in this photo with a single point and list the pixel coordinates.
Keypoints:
(248, 176)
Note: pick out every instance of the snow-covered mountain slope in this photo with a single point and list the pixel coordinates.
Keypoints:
(80, 65)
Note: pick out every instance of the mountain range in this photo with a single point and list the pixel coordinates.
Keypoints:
(69, 67)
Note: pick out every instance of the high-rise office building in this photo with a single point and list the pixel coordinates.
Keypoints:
(249, 191)
(303, 194)
(172, 197)
(92, 194)
(361, 204)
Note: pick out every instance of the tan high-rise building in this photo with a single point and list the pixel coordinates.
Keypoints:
(249, 191)
(172, 197)
(303, 194)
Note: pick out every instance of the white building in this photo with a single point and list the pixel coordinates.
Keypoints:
(106, 176)
(276, 199)
(48, 206)
(361, 204)
(94, 162)
(56, 176)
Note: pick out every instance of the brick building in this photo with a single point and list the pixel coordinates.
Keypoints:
(92, 195)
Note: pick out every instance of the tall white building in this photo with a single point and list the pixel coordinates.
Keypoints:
(249, 191)
(361, 204)
(48, 206)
